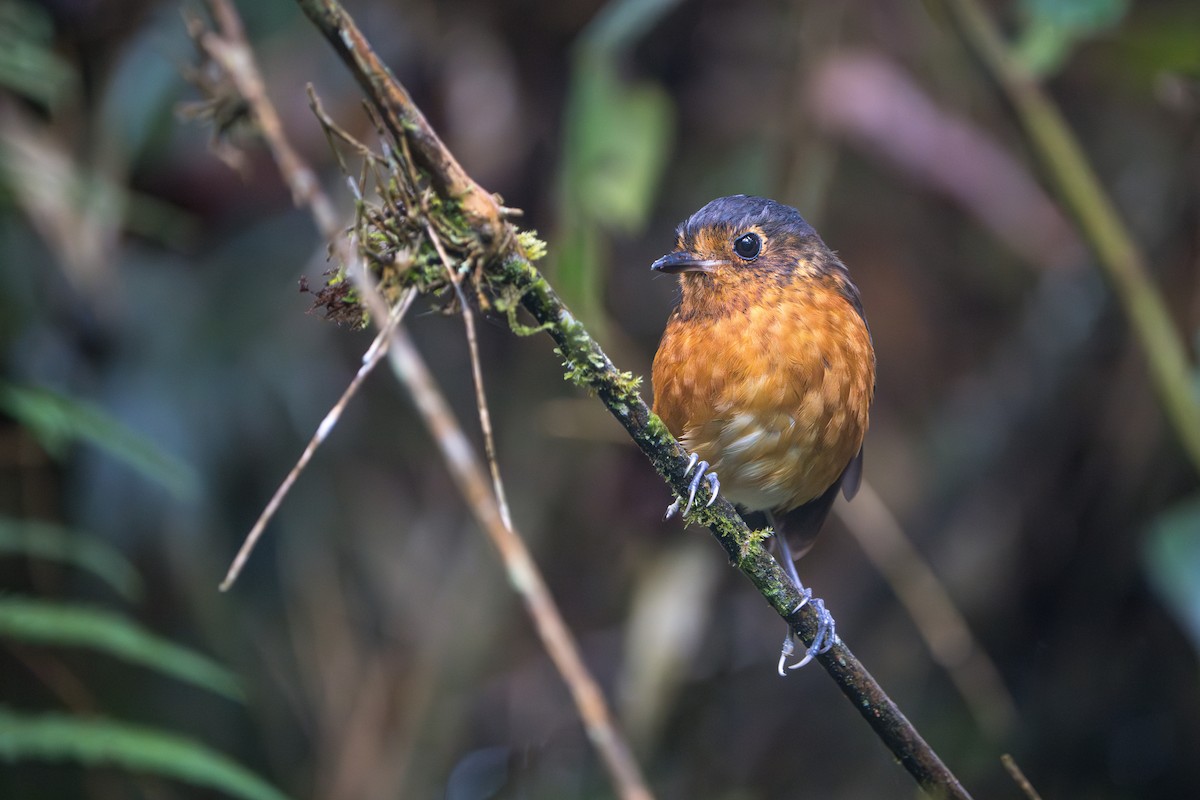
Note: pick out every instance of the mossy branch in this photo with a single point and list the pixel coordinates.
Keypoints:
(228, 55)
(589, 367)
(405, 120)
(506, 269)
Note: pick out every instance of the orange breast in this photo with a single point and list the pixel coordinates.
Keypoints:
(775, 397)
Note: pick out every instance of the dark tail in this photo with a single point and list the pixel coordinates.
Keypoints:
(800, 526)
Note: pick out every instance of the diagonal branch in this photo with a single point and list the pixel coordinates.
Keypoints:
(590, 367)
(468, 473)
(405, 120)
(509, 273)
(233, 53)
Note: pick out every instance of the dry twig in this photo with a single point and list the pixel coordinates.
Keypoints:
(1019, 778)
(485, 417)
(940, 623)
(502, 264)
(232, 51)
(372, 357)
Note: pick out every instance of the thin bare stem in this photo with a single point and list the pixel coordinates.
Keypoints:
(372, 357)
(523, 572)
(1019, 778)
(234, 54)
(230, 51)
(485, 417)
(940, 623)
(506, 267)
(1121, 260)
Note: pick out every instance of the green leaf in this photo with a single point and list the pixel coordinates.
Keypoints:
(617, 136)
(1054, 27)
(621, 23)
(59, 421)
(72, 625)
(55, 543)
(618, 140)
(58, 737)
(28, 64)
(1171, 555)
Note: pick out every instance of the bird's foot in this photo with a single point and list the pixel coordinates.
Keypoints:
(702, 474)
(826, 627)
(825, 636)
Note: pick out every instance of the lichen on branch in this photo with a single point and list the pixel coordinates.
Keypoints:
(422, 200)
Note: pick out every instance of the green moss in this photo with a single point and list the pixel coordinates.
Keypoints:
(657, 429)
(752, 545)
(531, 246)
(520, 328)
(507, 296)
(576, 373)
(629, 386)
(397, 217)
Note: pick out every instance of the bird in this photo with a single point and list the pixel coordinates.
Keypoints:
(765, 372)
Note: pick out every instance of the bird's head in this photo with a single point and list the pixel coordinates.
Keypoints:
(735, 248)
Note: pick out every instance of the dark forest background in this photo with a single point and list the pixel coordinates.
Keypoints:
(159, 375)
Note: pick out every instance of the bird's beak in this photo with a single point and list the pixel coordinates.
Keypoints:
(683, 261)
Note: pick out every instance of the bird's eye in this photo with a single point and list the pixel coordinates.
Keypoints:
(747, 246)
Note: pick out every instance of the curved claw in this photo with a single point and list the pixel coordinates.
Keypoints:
(695, 484)
(823, 640)
(785, 653)
(827, 632)
(672, 509)
(789, 647)
(701, 474)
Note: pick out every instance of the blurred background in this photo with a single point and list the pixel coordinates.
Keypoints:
(159, 375)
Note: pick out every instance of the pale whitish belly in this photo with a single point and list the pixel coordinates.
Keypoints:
(768, 461)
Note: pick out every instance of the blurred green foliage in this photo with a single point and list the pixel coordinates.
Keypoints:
(44, 541)
(101, 742)
(29, 66)
(1172, 556)
(59, 422)
(617, 132)
(1054, 28)
(91, 741)
(152, 337)
(617, 137)
(71, 625)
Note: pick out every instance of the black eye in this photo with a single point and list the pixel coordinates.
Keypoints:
(748, 246)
